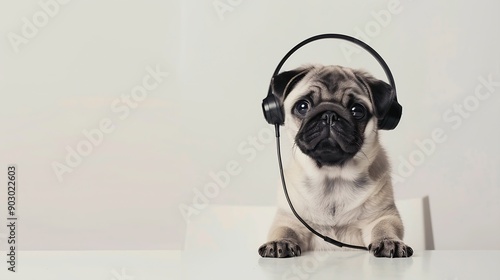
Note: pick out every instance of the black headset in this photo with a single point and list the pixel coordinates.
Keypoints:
(271, 105)
(274, 115)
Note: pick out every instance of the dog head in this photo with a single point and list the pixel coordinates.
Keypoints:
(331, 111)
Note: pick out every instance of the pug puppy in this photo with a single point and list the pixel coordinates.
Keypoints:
(339, 177)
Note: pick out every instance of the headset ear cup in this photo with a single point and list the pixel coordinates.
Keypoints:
(279, 87)
(392, 117)
(384, 100)
(272, 110)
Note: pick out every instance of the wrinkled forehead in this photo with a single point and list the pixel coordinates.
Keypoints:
(331, 83)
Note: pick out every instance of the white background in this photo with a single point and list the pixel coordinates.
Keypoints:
(127, 192)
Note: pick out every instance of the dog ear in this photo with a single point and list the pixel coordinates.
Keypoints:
(380, 92)
(283, 83)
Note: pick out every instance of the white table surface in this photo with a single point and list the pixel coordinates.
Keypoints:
(149, 265)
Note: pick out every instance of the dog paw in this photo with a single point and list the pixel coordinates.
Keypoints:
(390, 248)
(282, 248)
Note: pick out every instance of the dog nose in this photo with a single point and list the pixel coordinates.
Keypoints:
(329, 117)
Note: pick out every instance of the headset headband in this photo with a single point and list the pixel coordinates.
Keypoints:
(274, 113)
(342, 37)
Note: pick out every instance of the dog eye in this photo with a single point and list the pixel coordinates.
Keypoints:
(358, 111)
(302, 107)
